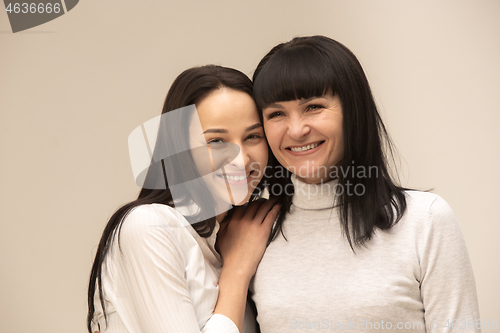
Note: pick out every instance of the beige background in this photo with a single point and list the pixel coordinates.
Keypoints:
(72, 90)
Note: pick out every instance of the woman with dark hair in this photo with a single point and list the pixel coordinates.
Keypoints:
(351, 249)
(156, 267)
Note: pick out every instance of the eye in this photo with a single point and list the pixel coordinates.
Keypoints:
(274, 114)
(314, 107)
(254, 136)
(216, 143)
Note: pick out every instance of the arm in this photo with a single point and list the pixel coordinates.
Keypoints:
(242, 243)
(447, 284)
(148, 276)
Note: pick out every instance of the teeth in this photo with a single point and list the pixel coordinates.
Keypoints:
(234, 178)
(314, 145)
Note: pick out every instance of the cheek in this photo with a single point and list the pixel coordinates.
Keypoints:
(339, 140)
(260, 154)
(273, 135)
(338, 145)
(197, 164)
(202, 161)
(341, 144)
(331, 127)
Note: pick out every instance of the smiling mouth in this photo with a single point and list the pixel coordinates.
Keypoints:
(306, 147)
(235, 178)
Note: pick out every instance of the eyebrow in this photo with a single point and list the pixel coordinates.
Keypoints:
(221, 130)
(310, 99)
(279, 106)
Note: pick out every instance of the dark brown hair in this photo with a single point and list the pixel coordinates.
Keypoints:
(190, 87)
(311, 66)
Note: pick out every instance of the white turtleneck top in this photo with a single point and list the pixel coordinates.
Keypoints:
(414, 277)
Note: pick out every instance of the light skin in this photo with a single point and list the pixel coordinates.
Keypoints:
(228, 122)
(229, 116)
(242, 243)
(306, 135)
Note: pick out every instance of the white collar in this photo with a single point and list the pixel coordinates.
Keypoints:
(313, 196)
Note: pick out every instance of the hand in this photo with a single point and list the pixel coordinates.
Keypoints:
(242, 240)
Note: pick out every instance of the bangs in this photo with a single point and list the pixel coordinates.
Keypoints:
(294, 73)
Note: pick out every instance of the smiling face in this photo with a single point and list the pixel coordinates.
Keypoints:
(306, 135)
(229, 120)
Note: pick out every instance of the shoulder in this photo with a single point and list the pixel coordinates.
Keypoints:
(152, 221)
(420, 199)
(427, 204)
(429, 212)
(154, 215)
(431, 221)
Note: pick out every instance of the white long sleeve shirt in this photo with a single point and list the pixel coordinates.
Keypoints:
(413, 277)
(162, 277)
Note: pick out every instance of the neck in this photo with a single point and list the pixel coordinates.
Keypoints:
(317, 181)
(314, 196)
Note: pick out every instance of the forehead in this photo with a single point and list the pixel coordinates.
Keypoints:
(327, 96)
(227, 108)
(294, 74)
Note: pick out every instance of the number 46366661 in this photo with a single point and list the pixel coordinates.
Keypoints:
(33, 8)
(471, 324)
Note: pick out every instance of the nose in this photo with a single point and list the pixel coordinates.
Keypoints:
(240, 161)
(297, 128)
(220, 155)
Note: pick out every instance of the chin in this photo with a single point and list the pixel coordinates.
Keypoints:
(240, 197)
(242, 203)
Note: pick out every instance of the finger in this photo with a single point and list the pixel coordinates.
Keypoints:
(271, 217)
(238, 213)
(222, 230)
(220, 238)
(223, 225)
(254, 207)
(274, 199)
(264, 209)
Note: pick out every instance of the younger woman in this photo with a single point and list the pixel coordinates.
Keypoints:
(156, 268)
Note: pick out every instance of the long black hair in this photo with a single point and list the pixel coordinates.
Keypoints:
(190, 87)
(312, 66)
